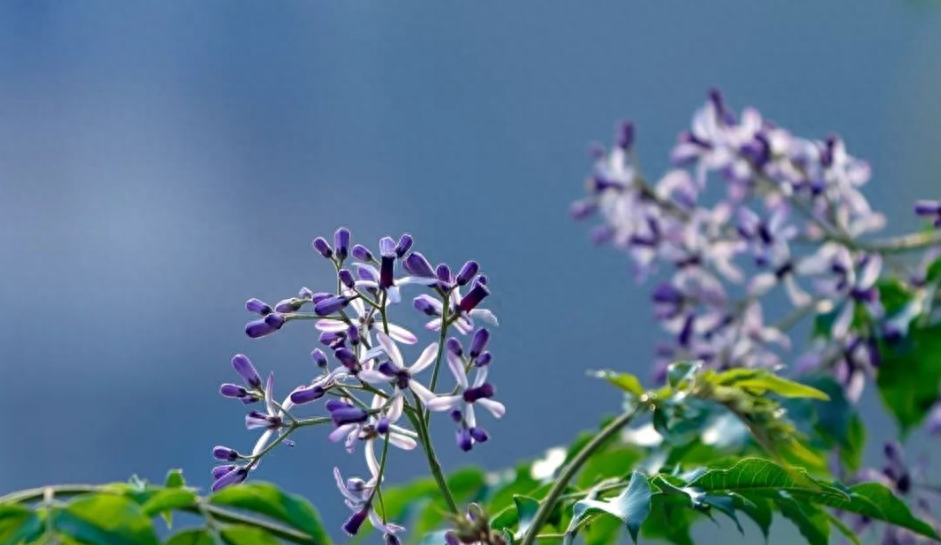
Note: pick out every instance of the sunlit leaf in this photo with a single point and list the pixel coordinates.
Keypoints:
(266, 499)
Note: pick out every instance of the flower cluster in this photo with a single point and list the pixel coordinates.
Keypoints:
(788, 214)
(371, 393)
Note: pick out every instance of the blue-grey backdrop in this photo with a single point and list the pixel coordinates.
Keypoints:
(161, 162)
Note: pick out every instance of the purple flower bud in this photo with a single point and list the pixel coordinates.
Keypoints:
(341, 243)
(306, 395)
(234, 476)
(417, 265)
(479, 342)
(274, 320)
(383, 425)
(219, 471)
(473, 298)
(425, 304)
(450, 538)
(258, 307)
(467, 273)
(580, 210)
(392, 539)
(626, 135)
(443, 272)
(457, 415)
(305, 293)
(319, 357)
(479, 434)
(464, 440)
(347, 358)
(321, 245)
(352, 333)
(225, 454)
(333, 339)
(929, 209)
(346, 278)
(485, 390)
(243, 366)
(483, 280)
(454, 346)
(232, 390)
(289, 305)
(352, 525)
(404, 245)
(893, 452)
(362, 253)
(331, 305)
(335, 404)
(349, 415)
(257, 419)
(258, 328)
(483, 359)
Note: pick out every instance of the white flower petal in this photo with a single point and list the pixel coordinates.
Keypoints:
(496, 408)
(391, 350)
(425, 359)
(402, 335)
(456, 364)
(444, 403)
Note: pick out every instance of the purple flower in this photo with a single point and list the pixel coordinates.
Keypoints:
(258, 307)
(234, 475)
(395, 370)
(243, 366)
(331, 305)
(362, 253)
(341, 243)
(368, 321)
(225, 453)
(264, 326)
(321, 245)
(358, 495)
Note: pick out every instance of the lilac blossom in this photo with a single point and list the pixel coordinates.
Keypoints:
(930, 210)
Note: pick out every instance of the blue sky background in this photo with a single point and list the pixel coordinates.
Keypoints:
(161, 162)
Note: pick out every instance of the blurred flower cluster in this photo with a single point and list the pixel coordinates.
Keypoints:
(365, 385)
(748, 210)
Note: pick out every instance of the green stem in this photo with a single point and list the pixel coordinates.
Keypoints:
(570, 469)
(433, 464)
(442, 340)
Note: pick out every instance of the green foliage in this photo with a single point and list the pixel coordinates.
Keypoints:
(124, 514)
(910, 375)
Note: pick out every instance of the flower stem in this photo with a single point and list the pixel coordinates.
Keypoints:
(570, 469)
(433, 464)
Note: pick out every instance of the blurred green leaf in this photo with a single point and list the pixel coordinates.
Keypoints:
(196, 536)
(247, 535)
(18, 524)
(266, 499)
(174, 479)
(105, 519)
(631, 506)
(910, 374)
(625, 381)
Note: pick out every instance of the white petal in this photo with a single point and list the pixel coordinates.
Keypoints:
(341, 485)
(870, 272)
(371, 460)
(330, 326)
(762, 284)
(456, 364)
(359, 307)
(470, 417)
(390, 348)
(433, 325)
(373, 377)
(262, 442)
(425, 359)
(402, 441)
(395, 295)
(396, 407)
(485, 315)
(444, 403)
(843, 321)
(341, 432)
(481, 376)
(496, 408)
(420, 280)
(402, 335)
(423, 393)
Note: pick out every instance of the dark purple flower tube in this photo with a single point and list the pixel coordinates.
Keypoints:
(483, 359)
(234, 476)
(467, 273)
(257, 306)
(306, 395)
(336, 404)
(362, 253)
(243, 366)
(404, 245)
(473, 298)
(331, 305)
(341, 243)
(225, 453)
(319, 358)
(417, 265)
(352, 524)
(479, 434)
(484, 391)
(387, 262)
(323, 247)
(479, 342)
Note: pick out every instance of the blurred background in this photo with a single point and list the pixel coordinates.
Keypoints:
(161, 162)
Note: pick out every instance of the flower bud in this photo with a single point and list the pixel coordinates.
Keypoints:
(346, 278)
(404, 245)
(243, 366)
(417, 265)
(341, 243)
(467, 273)
(258, 307)
(321, 245)
(319, 358)
(225, 453)
(331, 305)
(362, 253)
(479, 342)
(473, 298)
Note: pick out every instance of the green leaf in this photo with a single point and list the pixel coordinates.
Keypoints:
(18, 524)
(842, 528)
(761, 382)
(466, 485)
(174, 479)
(168, 499)
(682, 371)
(910, 374)
(631, 506)
(625, 381)
(758, 509)
(526, 509)
(196, 536)
(266, 499)
(811, 521)
(615, 461)
(875, 501)
(104, 519)
(247, 535)
(759, 475)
